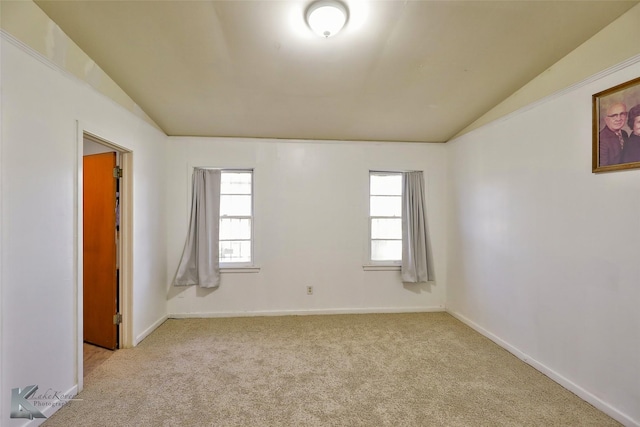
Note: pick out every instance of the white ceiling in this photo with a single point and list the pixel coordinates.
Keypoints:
(399, 71)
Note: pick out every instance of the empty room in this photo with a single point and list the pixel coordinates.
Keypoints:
(320, 213)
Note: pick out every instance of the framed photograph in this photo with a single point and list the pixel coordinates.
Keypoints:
(616, 128)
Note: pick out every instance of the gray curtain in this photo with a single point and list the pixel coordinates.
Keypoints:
(200, 264)
(415, 241)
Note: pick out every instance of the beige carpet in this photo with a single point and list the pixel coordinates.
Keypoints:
(425, 369)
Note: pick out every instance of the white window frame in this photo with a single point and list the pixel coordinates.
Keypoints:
(380, 264)
(233, 267)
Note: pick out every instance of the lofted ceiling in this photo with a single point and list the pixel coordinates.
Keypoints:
(415, 71)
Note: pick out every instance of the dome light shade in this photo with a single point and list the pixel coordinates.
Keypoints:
(326, 17)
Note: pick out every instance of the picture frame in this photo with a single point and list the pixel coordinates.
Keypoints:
(616, 128)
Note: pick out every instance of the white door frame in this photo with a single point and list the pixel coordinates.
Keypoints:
(126, 247)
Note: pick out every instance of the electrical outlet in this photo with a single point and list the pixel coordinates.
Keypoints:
(309, 290)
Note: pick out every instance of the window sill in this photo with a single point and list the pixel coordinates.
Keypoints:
(381, 267)
(225, 270)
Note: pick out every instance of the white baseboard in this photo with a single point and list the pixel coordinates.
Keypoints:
(150, 329)
(311, 312)
(55, 405)
(555, 376)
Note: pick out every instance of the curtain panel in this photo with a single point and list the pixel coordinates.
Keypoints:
(200, 263)
(415, 240)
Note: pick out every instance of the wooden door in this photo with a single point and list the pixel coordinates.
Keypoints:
(100, 275)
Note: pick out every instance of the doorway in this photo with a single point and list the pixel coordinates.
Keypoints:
(100, 247)
(104, 294)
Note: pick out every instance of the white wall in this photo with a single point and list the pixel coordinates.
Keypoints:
(544, 256)
(311, 201)
(40, 106)
(90, 147)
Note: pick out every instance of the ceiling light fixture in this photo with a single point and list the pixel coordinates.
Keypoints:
(326, 17)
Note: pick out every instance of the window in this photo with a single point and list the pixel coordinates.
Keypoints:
(385, 217)
(236, 217)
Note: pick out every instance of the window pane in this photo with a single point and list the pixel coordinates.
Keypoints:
(235, 251)
(235, 183)
(389, 185)
(386, 250)
(386, 206)
(386, 228)
(235, 228)
(235, 205)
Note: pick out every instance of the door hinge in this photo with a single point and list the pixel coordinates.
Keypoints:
(117, 319)
(117, 172)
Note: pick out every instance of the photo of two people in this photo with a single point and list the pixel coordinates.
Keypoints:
(616, 128)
